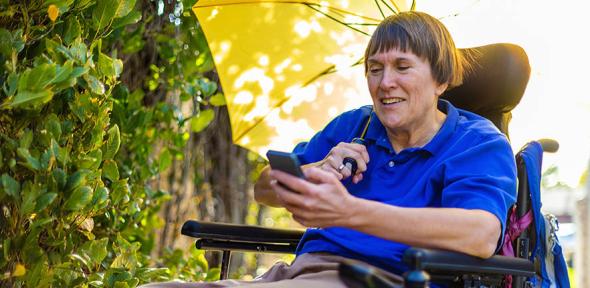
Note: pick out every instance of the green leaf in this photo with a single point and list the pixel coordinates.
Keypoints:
(101, 195)
(30, 193)
(116, 275)
(217, 100)
(80, 259)
(202, 262)
(60, 177)
(91, 160)
(79, 198)
(79, 51)
(18, 42)
(12, 82)
(62, 73)
(124, 260)
(11, 186)
(165, 159)
(207, 87)
(53, 126)
(96, 250)
(109, 67)
(113, 142)
(202, 120)
(26, 139)
(26, 99)
(72, 30)
(5, 43)
(79, 71)
(149, 274)
(44, 200)
(30, 161)
(47, 160)
(76, 180)
(125, 6)
(120, 192)
(131, 18)
(79, 106)
(212, 274)
(61, 154)
(94, 84)
(38, 78)
(110, 170)
(64, 78)
(104, 12)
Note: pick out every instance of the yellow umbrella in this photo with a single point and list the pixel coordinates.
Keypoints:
(288, 67)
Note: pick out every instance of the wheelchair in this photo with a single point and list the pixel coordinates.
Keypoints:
(494, 86)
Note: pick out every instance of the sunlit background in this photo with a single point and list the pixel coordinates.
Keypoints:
(554, 34)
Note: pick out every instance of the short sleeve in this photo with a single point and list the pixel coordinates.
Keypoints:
(482, 177)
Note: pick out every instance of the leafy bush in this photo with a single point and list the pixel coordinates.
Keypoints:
(74, 212)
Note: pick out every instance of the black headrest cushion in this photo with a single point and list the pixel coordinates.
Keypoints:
(495, 84)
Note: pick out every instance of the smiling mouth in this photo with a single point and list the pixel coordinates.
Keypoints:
(389, 101)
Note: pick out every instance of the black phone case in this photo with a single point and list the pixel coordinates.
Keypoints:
(286, 162)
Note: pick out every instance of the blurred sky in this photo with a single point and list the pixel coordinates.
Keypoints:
(555, 36)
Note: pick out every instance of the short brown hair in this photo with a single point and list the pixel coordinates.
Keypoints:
(424, 36)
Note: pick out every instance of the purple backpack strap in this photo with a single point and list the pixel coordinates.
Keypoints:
(515, 227)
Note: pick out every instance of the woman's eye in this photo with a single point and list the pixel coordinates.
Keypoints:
(403, 68)
(375, 70)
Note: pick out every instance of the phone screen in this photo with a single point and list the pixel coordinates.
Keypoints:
(286, 162)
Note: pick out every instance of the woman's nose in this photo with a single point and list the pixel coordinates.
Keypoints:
(389, 79)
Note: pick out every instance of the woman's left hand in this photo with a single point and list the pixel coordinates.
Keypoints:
(320, 200)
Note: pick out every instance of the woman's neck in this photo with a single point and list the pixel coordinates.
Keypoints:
(419, 137)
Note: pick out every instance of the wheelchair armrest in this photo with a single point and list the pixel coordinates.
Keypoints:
(221, 236)
(440, 260)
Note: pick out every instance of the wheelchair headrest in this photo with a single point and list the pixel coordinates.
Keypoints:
(495, 84)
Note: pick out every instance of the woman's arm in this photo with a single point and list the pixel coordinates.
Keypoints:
(323, 201)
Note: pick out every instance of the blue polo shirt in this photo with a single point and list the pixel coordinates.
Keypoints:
(468, 164)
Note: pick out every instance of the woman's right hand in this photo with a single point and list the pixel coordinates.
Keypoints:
(333, 162)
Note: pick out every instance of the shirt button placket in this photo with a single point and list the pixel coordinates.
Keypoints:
(391, 163)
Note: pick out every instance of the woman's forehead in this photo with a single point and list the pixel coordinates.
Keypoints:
(393, 54)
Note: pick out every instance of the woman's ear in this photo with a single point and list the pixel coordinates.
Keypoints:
(441, 88)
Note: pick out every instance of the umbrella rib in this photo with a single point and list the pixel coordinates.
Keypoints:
(394, 11)
(378, 6)
(338, 21)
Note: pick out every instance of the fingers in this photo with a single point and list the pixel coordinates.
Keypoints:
(334, 160)
(331, 165)
(286, 196)
(294, 185)
(360, 149)
(319, 176)
(317, 201)
(357, 178)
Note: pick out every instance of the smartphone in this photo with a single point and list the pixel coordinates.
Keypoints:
(286, 162)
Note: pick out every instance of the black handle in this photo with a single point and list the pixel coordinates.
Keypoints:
(549, 145)
(349, 162)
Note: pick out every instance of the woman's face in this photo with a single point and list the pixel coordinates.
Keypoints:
(403, 90)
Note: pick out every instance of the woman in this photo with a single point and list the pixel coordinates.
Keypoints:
(430, 175)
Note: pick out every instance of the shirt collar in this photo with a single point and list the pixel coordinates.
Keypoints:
(376, 132)
(446, 130)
